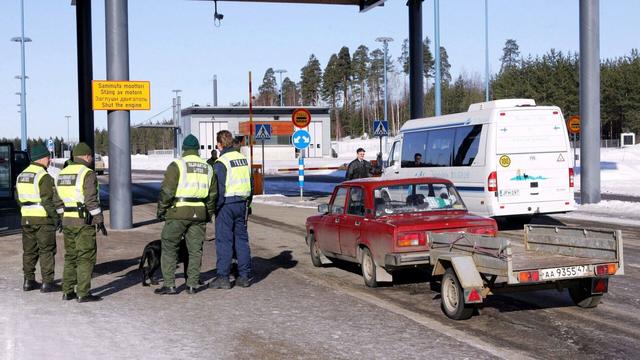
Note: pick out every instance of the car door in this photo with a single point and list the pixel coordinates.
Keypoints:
(328, 235)
(352, 221)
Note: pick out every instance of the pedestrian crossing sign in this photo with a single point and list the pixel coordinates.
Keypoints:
(380, 128)
(263, 132)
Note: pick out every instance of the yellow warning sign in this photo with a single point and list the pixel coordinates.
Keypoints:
(505, 161)
(121, 95)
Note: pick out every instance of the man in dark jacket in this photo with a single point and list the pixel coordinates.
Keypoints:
(359, 168)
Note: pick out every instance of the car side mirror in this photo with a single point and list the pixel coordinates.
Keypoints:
(323, 208)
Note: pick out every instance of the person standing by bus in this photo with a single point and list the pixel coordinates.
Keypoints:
(359, 168)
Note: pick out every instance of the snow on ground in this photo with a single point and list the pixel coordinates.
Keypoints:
(619, 171)
(620, 174)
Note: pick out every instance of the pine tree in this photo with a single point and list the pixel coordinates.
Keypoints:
(311, 81)
(268, 91)
(445, 67)
(360, 67)
(331, 90)
(510, 54)
(290, 93)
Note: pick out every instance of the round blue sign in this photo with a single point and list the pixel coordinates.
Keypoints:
(301, 139)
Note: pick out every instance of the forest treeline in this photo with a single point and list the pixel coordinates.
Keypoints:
(351, 84)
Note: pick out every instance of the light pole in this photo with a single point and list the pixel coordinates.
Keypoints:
(68, 140)
(280, 71)
(177, 130)
(385, 41)
(486, 50)
(436, 45)
(23, 95)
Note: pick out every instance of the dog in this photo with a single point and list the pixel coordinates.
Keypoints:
(151, 256)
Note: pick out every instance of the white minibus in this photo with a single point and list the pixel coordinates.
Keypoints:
(506, 157)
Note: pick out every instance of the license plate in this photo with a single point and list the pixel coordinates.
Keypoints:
(564, 272)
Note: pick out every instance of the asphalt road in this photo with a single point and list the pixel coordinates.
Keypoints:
(298, 311)
(542, 324)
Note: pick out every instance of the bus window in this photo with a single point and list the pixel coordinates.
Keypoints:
(439, 149)
(466, 145)
(413, 149)
(395, 153)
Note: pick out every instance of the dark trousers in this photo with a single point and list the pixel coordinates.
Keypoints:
(172, 233)
(38, 242)
(80, 251)
(231, 232)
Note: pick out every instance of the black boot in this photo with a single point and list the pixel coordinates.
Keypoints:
(243, 282)
(166, 290)
(30, 285)
(89, 298)
(191, 290)
(48, 287)
(220, 283)
(69, 296)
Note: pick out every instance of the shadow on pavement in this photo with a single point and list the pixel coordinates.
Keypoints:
(518, 222)
(114, 266)
(262, 267)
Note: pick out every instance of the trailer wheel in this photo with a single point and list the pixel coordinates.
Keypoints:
(368, 269)
(580, 293)
(314, 251)
(452, 297)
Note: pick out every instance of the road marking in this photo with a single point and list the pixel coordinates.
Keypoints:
(421, 319)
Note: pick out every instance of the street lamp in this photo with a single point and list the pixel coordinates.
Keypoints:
(68, 140)
(385, 41)
(280, 71)
(23, 96)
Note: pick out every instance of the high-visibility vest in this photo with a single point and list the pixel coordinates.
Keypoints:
(238, 181)
(193, 183)
(28, 188)
(70, 188)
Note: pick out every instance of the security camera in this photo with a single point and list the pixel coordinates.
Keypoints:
(218, 16)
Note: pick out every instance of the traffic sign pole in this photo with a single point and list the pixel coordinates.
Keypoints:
(263, 190)
(301, 173)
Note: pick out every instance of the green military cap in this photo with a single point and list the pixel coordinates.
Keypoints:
(38, 152)
(190, 143)
(81, 149)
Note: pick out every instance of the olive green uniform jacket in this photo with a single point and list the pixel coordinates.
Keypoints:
(168, 188)
(49, 200)
(91, 197)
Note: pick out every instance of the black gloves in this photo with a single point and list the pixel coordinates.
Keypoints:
(58, 225)
(102, 228)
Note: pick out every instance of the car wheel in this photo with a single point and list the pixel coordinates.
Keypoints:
(580, 293)
(452, 297)
(368, 269)
(314, 251)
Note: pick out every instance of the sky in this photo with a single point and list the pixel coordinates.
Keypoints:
(175, 45)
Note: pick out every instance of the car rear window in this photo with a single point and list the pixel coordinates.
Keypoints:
(413, 198)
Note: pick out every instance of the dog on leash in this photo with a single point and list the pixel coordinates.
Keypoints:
(151, 256)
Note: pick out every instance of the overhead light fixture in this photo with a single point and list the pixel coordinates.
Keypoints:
(217, 17)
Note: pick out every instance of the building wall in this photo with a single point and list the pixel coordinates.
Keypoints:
(193, 117)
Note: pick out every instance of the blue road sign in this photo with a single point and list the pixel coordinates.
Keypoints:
(380, 128)
(50, 145)
(263, 132)
(301, 139)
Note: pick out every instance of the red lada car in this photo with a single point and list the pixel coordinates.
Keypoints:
(382, 224)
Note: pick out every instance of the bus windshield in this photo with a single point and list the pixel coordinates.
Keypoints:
(415, 198)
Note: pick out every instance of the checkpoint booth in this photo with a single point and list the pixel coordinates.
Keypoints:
(205, 122)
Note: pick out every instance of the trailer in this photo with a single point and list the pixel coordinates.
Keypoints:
(553, 257)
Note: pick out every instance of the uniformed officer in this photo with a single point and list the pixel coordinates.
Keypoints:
(38, 202)
(235, 189)
(78, 188)
(187, 203)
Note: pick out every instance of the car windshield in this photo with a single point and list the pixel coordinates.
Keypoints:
(414, 198)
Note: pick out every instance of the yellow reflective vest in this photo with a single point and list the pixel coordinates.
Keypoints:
(28, 188)
(193, 181)
(70, 188)
(238, 181)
